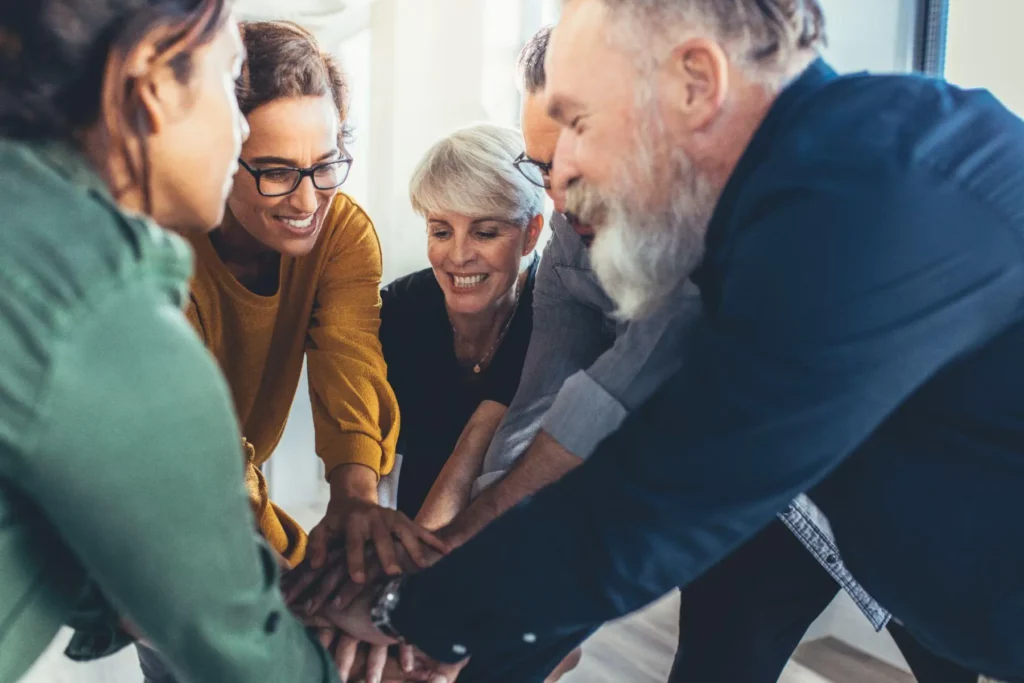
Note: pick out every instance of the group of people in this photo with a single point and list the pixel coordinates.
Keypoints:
(779, 315)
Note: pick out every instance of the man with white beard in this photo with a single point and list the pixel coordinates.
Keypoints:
(859, 248)
(586, 370)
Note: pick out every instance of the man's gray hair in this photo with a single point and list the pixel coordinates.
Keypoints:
(530, 64)
(771, 39)
(471, 173)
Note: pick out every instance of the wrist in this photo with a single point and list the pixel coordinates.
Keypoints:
(353, 482)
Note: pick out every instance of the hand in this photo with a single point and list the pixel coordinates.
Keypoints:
(571, 661)
(360, 522)
(323, 573)
(414, 664)
(351, 660)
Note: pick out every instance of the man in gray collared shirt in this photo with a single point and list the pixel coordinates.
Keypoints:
(584, 373)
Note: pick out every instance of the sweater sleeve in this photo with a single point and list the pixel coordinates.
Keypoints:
(355, 412)
(130, 386)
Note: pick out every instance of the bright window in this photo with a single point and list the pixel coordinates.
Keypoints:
(984, 48)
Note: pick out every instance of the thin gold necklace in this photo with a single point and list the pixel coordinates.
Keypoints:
(478, 367)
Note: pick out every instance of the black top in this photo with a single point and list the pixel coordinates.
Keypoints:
(436, 395)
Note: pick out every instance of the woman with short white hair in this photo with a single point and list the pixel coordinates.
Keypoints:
(455, 334)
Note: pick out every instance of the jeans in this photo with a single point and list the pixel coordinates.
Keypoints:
(742, 620)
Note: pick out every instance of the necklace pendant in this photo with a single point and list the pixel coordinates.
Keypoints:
(476, 368)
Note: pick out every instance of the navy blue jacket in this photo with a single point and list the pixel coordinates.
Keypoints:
(864, 341)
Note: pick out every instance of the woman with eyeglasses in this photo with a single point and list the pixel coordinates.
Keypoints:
(293, 272)
(113, 418)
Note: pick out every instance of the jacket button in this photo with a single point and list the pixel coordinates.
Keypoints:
(459, 649)
(530, 638)
(273, 620)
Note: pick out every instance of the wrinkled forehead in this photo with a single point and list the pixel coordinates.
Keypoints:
(584, 66)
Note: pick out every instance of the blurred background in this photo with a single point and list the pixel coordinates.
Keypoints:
(418, 69)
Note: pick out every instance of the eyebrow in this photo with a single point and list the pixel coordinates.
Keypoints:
(489, 219)
(559, 106)
(474, 222)
(292, 162)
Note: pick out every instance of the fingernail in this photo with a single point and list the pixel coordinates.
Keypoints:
(438, 678)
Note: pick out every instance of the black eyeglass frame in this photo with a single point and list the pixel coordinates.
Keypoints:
(544, 168)
(258, 173)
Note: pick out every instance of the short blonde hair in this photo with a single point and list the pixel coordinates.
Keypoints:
(471, 173)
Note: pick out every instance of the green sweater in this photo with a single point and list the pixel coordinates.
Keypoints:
(120, 457)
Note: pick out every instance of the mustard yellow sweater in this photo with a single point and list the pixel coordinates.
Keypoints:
(327, 308)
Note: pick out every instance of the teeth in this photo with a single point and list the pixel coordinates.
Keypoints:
(469, 281)
(305, 223)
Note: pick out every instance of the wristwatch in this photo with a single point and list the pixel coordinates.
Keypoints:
(384, 606)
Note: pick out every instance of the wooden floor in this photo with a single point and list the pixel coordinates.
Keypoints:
(640, 649)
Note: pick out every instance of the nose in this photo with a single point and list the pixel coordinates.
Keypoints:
(563, 170)
(305, 197)
(462, 251)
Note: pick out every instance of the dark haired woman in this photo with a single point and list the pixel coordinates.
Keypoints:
(112, 416)
(292, 272)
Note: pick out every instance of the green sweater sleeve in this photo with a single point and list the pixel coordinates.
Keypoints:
(139, 469)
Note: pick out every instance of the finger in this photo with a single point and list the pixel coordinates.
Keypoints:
(326, 638)
(318, 622)
(375, 662)
(298, 582)
(316, 547)
(411, 542)
(385, 546)
(406, 657)
(323, 592)
(355, 540)
(431, 539)
(350, 590)
(345, 656)
(448, 673)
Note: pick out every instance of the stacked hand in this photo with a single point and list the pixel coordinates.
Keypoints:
(352, 552)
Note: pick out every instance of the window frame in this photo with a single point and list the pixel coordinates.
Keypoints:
(930, 41)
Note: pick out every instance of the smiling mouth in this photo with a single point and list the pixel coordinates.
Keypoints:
(301, 226)
(467, 281)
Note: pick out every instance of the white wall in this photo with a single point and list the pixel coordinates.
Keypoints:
(874, 35)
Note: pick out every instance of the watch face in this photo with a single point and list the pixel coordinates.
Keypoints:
(380, 612)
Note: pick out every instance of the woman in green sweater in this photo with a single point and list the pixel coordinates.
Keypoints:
(112, 414)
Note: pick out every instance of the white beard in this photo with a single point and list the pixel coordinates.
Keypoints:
(642, 256)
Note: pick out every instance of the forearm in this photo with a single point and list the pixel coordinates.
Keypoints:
(450, 493)
(545, 462)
